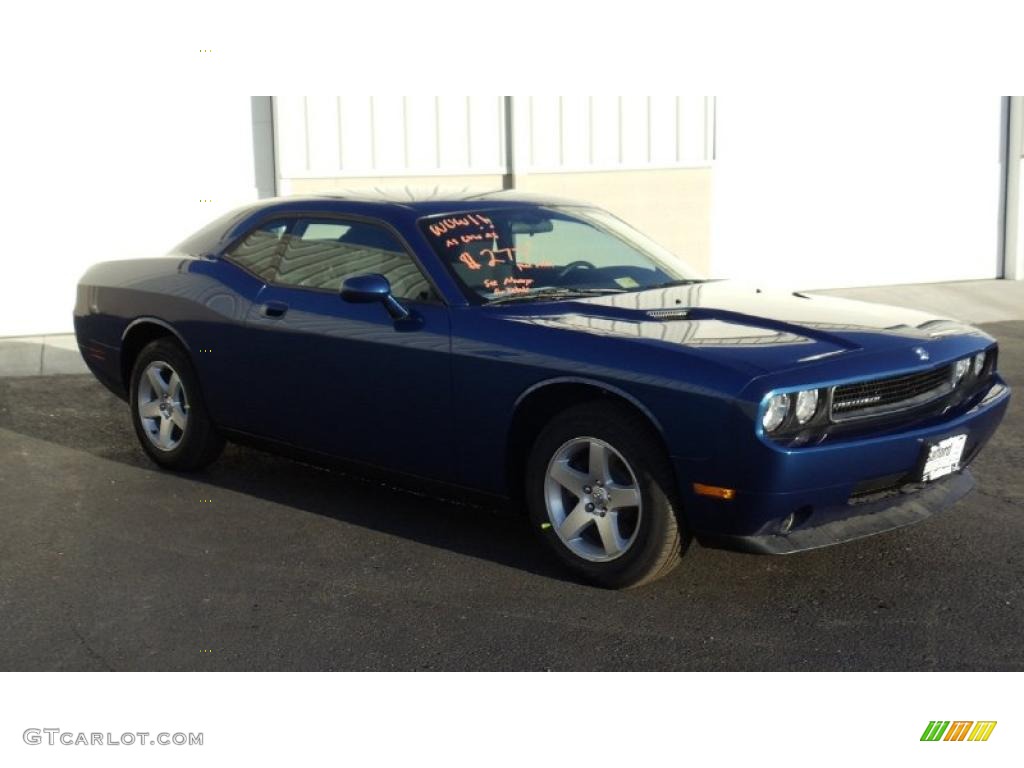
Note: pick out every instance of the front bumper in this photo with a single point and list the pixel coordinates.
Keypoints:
(805, 498)
(877, 517)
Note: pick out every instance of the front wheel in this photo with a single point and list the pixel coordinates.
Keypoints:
(600, 490)
(168, 411)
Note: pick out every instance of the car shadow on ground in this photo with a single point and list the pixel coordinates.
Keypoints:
(77, 413)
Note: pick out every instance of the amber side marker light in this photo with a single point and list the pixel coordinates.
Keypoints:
(714, 491)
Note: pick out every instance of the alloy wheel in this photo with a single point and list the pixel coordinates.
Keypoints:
(162, 406)
(593, 499)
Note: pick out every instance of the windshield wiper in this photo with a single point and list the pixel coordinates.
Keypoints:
(674, 283)
(554, 293)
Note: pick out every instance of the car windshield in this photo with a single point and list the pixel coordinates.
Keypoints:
(533, 253)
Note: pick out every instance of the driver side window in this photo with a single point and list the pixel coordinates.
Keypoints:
(323, 253)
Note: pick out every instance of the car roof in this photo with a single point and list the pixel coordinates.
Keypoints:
(380, 202)
(422, 201)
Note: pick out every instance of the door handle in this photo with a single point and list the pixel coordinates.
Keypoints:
(274, 309)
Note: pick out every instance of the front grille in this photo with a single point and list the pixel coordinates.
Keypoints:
(897, 393)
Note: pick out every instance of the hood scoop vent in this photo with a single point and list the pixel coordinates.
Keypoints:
(668, 314)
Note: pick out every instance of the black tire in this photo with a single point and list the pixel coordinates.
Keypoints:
(199, 443)
(658, 537)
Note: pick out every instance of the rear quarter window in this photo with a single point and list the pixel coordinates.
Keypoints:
(258, 251)
(207, 239)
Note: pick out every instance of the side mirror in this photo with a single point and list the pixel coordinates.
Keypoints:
(369, 289)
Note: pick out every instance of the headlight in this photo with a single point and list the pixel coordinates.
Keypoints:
(979, 363)
(806, 405)
(960, 370)
(775, 413)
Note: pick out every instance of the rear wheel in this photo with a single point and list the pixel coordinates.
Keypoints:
(600, 490)
(168, 411)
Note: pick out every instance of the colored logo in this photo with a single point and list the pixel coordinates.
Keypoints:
(958, 730)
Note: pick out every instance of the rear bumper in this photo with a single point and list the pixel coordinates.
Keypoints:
(792, 500)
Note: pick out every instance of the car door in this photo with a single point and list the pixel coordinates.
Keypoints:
(236, 281)
(346, 379)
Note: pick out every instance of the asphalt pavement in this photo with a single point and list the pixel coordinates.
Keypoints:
(261, 563)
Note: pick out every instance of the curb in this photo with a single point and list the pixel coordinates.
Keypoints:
(40, 356)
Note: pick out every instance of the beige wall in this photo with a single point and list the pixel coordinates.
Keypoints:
(672, 206)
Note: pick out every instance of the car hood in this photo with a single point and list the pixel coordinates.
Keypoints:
(759, 329)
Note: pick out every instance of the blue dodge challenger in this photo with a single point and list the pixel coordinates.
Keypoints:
(543, 352)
